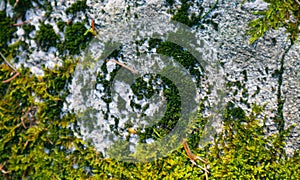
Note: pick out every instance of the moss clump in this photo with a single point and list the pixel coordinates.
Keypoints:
(21, 7)
(170, 2)
(182, 14)
(143, 90)
(46, 37)
(47, 6)
(6, 30)
(244, 150)
(37, 141)
(28, 28)
(278, 14)
(185, 16)
(181, 55)
(61, 25)
(75, 38)
(153, 43)
(76, 7)
(107, 84)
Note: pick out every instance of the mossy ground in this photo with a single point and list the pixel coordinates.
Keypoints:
(38, 142)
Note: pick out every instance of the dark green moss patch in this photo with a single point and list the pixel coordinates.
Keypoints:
(75, 39)
(279, 118)
(182, 15)
(170, 2)
(61, 25)
(46, 37)
(107, 84)
(47, 6)
(28, 28)
(144, 90)
(182, 56)
(185, 16)
(6, 30)
(76, 7)
(234, 113)
(245, 75)
(21, 7)
(256, 91)
(153, 43)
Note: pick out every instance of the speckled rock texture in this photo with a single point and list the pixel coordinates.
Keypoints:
(253, 70)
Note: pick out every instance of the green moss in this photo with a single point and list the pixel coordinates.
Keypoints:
(28, 28)
(279, 118)
(143, 90)
(170, 2)
(153, 43)
(256, 91)
(243, 150)
(234, 113)
(21, 7)
(287, 16)
(182, 56)
(76, 7)
(245, 75)
(75, 39)
(238, 84)
(46, 37)
(38, 145)
(245, 93)
(47, 6)
(183, 15)
(61, 25)
(6, 30)
(107, 84)
(41, 144)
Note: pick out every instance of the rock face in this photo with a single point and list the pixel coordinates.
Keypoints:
(266, 72)
(253, 71)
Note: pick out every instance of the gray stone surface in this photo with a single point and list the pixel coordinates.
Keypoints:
(260, 61)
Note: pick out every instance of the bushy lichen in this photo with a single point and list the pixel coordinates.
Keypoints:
(46, 37)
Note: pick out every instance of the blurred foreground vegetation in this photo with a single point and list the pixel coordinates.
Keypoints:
(37, 141)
